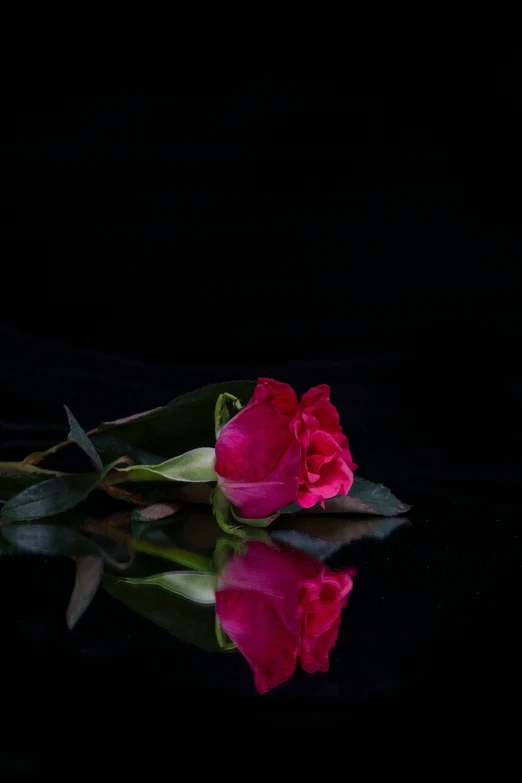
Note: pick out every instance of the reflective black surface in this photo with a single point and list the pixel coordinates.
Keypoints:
(433, 613)
(431, 616)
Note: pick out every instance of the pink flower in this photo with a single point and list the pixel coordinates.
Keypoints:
(275, 452)
(278, 605)
(326, 463)
(258, 454)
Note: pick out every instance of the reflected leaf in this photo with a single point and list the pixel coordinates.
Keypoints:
(196, 586)
(321, 536)
(49, 540)
(156, 511)
(89, 571)
(191, 528)
(188, 621)
(145, 518)
(315, 547)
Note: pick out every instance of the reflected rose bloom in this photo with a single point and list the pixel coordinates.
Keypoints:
(281, 605)
(275, 451)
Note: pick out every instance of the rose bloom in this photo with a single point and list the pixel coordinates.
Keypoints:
(276, 451)
(280, 605)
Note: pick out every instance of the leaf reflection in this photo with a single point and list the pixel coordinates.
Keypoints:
(322, 536)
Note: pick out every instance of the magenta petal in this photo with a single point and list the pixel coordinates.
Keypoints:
(278, 604)
(333, 475)
(305, 498)
(336, 479)
(252, 621)
(257, 605)
(323, 443)
(315, 651)
(313, 395)
(284, 395)
(257, 453)
(272, 571)
(249, 446)
(259, 499)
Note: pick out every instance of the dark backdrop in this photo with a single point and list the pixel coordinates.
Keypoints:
(280, 223)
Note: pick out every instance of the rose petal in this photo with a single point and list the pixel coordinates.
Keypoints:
(327, 416)
(256, 603)
(253, 623)
(251, 443)
(314, 651)
(278, 572)
(284, 395)
(323, 443)
(336, 478)
(313, 395)
(276, 604)
(342, 440)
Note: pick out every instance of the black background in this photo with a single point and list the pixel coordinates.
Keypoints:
(284, 222)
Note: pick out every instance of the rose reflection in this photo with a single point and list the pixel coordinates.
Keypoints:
(275, 599)
(278, 605)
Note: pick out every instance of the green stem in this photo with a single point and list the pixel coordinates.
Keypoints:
(181, 556)
(33, 459)
(25, 469)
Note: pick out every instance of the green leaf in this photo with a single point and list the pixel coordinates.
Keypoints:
(194, 466)
(188, 621)
(196, 586)
(77, 435)
(253, 522)
(13, 483)
(114, 446)
(89, 570)
(52, 497)
(184, 424)
(49, 540)
(364, 497)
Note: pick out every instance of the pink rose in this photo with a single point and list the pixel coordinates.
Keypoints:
(278, 605)
(275, 452)
(326, 462)
(258, 454)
